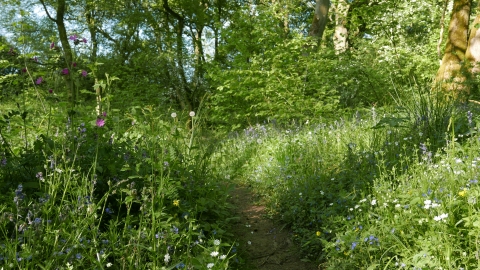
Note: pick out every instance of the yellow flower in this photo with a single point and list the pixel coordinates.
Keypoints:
(176, 203)
(319, 233)
(463, 192)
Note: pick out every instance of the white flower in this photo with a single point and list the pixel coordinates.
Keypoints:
(173, 115)
(362, 200)
(398, 205)
(192, 114)
(167, 258)
(214, 254)
(223, 257)
(109, 265)
(249, 242)
(210, 265)
(216, 242)
(428, 204)
(374, 202)
(441, 217)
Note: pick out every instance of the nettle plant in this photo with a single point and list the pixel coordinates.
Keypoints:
(136, 200)
(98, 190)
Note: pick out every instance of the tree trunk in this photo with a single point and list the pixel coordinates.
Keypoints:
(341, 33)
(319, 19)
(473, 49)
(451, 75)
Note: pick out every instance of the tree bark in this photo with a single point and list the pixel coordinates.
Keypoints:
(340, 36)
(451, 75)
(319, 19)
(473, 49)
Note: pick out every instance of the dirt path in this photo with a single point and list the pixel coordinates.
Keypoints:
(263, 243)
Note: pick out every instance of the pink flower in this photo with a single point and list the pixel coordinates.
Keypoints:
(39, 80)
(84, 73)
(74, 64)
(65, 71)
(52, 45)
(100, 122)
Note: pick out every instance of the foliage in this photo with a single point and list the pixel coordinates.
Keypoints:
(371, 191)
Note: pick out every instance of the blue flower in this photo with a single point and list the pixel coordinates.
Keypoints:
(354, 244)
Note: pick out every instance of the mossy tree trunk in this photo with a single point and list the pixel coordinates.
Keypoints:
(452, 75)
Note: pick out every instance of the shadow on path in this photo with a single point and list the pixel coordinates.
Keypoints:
(263, 244)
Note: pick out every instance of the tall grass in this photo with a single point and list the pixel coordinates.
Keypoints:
(377, 190)
(118, 191)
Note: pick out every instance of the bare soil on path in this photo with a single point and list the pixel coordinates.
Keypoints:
(263, 243)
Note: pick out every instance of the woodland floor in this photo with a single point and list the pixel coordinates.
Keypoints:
(263, 243)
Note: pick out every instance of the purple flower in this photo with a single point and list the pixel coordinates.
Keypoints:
(104, 114)
(52, 45)
(84, 73)
(100, 122)
(50, 91)
(39, 80)
(24, 70)
(65, 71)
(73, 37)
(74, 64)
(84, 40)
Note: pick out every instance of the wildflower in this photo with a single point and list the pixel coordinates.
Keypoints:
(100, 122)
(223, 257)
(441, 217)
(109, 265)
(173, 115)
(73, 37)
(176, 203)
(354, 244)
(192, 114)
(39, 80)
(214, 254)
(374, 202)
(166, 258)
(50, 91)
(180, 265)
(84, 40)
(37, 221)
(175, 230)
(52, 45)
(216, 242)
(65, 71)
(318, 233)
(78, 256)
(39, 175)
(109, 211)
(463, 192)
(84, 73)
(210, 265)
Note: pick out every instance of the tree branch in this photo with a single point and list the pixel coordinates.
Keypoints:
(46, 11)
